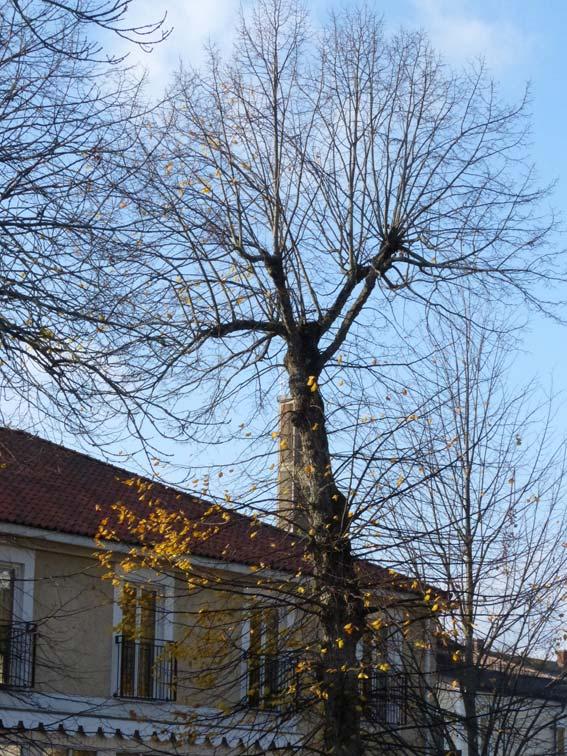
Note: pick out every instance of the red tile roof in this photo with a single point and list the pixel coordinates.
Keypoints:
(44, 485)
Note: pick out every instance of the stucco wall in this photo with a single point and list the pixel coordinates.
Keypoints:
(73, 610)
(73, 607)
(208, 631)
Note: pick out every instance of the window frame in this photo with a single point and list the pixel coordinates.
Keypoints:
(284, 620)
(22, 562)
(164, 586)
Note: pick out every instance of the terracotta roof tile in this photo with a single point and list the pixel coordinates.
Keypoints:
(44, 485)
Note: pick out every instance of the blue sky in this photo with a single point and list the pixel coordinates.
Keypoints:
(521, 41)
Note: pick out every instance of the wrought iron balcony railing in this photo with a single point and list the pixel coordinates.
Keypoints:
(17, 654)
(274, 681)
(386, 697)
(146, 669)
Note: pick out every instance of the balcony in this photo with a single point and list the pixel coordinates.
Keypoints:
(386, 697)
(273, 680)
(146, 669)
(17, 654)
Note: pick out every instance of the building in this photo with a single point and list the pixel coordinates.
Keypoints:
(521, 702)
(136, 664)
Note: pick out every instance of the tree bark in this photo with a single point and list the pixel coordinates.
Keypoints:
(342, 613)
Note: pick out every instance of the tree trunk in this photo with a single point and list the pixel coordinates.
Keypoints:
(341, 613)
(469, 694)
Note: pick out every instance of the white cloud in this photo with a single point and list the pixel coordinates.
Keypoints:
(459, 31)
(459, 34)
(193, 23)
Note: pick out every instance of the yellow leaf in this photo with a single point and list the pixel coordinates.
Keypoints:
(340, 642)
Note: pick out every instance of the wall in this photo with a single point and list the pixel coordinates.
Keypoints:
(73, 610)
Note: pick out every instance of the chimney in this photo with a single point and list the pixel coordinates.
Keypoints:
(478, 645)
(289, 515)
(562, 659)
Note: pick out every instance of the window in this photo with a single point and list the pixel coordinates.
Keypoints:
(6, 619)
(262, 657)
(146, 663)
(17, 638)
(139, 615)
(271, 678)
(383, 683)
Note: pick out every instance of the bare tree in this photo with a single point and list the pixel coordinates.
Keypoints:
(487, 523)
(68, 27)
(311, 197)
(67, 124)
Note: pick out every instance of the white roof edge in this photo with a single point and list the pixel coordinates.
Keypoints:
(56, 536)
